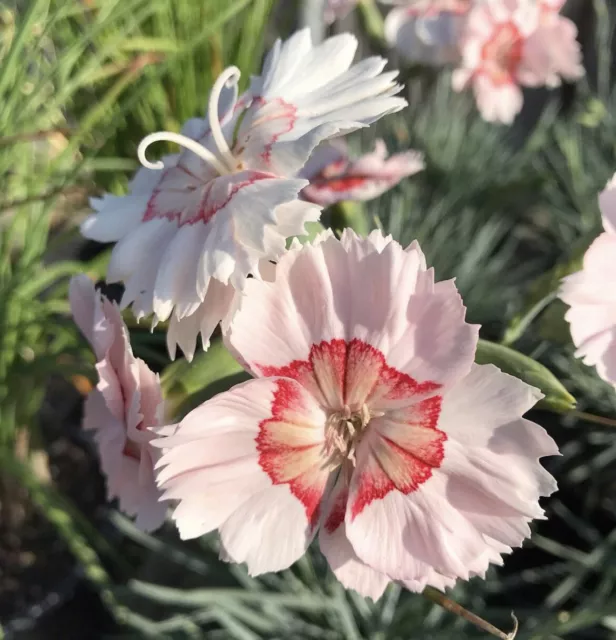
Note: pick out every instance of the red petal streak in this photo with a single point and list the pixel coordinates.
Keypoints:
(299, 370)
(342, 184)
(339, 373)
(274, 117)
(394, 385)
(423, 414)
(290, 451)
(335, 517)
(198, 208)
(372, 484)
(404, 449)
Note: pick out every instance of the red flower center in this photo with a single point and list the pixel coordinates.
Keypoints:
(369, 406)
(502, 53)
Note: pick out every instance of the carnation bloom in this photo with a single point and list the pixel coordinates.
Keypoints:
(338, 9)
(557, 37)
(196, 224)
(591, 294)
(334, 176)
(126, 402)
(367, 421)
(507, 44)
(427, 31)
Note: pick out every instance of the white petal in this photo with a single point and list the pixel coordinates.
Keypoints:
(176, 280)
(214, 309)
(116, 216)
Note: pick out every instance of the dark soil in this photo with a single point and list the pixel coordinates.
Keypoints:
(37, 571)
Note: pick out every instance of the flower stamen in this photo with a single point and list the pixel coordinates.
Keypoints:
(184, 141)
(343, 432)
(225, 163)
(228, 77)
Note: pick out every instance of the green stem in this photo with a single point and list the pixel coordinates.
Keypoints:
(591, 417)
(515, 331)
(373, 20)
(453, 607)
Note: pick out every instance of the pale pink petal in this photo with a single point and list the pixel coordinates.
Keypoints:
(269, 533)
(456, 475)
(117, 216)
(279, 322)
(248, 462)
(432, 578)
(393, 488)
(478, 567)
(490, 468)
(337, 9)
(559, 36)
(150, 397)
(340, 291)
(498, 103)
(342, 559)
(423, 530)
(482, 401)
(363, 179)
(145, 180)
(176, 284)
(135, 261)
(592, 297)
(461, 79)
(326, 157)
(87, 310)
(137, 494)
(552, 5)
(125, 404)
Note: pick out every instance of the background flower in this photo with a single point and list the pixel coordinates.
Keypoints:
(338, 9)
(508, 44)
(591, 294)
(334, 176)
(427, 31)
(126, 402)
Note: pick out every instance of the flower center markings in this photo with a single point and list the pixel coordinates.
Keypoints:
(354, 386)
(503, 52)
(343, 433)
